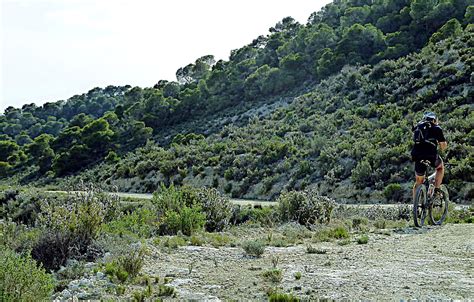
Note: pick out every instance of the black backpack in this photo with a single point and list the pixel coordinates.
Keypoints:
(421, 134)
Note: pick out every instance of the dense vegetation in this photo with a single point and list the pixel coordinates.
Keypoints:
(324, 108)
(349, 134)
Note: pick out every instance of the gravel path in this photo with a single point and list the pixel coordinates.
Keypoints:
(432, 263)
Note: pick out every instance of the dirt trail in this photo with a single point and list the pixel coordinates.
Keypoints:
(432, 263)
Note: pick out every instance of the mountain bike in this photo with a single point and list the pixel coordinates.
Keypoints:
(426, 202)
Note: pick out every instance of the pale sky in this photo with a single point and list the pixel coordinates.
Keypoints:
(53, 49)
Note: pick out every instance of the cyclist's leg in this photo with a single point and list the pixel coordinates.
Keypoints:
(420, 170)
(439, 172)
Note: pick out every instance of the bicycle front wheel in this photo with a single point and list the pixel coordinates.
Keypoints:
(438, 208)
(419, 206)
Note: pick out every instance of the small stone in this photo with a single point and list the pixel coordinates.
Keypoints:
(84, 282)
(66, 294)
(100, 275)
(83, 295)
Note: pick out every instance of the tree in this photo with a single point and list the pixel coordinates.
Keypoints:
(452, 28)
(97, 136)
(41, 152)
(353, 15)
(359, 43)
(7, 148)
(469, 16)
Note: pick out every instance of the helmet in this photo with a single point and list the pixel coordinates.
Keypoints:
(429, 116)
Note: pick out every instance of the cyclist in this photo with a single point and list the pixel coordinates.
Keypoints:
(428, 135)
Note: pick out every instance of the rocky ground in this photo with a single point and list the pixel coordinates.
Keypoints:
(433, 263)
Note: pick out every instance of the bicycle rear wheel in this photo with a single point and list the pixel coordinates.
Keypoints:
(419, 206)
(438, 209)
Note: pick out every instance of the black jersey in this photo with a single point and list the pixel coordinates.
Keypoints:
(429, 148)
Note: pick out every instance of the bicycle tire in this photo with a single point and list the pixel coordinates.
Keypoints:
(419, 208)
(439, 212)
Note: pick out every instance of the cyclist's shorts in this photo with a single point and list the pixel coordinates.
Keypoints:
(420, 168)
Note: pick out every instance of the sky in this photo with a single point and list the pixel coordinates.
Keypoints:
(53, 49)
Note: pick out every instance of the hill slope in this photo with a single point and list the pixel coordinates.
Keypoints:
(355, 90)
(350, 136)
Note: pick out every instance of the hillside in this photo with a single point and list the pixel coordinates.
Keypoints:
(350, 136)
(327, 104)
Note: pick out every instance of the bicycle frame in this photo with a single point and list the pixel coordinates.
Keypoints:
(426, 190)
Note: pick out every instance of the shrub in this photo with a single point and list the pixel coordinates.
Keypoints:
(218, 209)
(132, 259)
(126, 263)
(364, 239)
(305, 207)
(313, 250)
(297, 275)
(174, 242)
(21, 279)
(274, 275)
(20, 206)
(17, 237)
(359, 222)
(264, 216)
(338, 232)
(73, 270)
(362, 174)
(173, 199)
(393, 192)
(279, 297)
(140, 223)
(68, 230)
(187, 220)
(254, 248)
(180, 210)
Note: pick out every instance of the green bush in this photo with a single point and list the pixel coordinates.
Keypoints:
(280, 297)
(174, 199)
(264, 216)
(364, 239)
(254, 248)
(21, 279)
(127, 262)
(393, 192)
(187, 220)
(141, 223)
(21, 206)
(132, 259)
(274, 275)
(305, 207)
(179, 209)
(174, 242)
(326, 234)
(17, 237)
